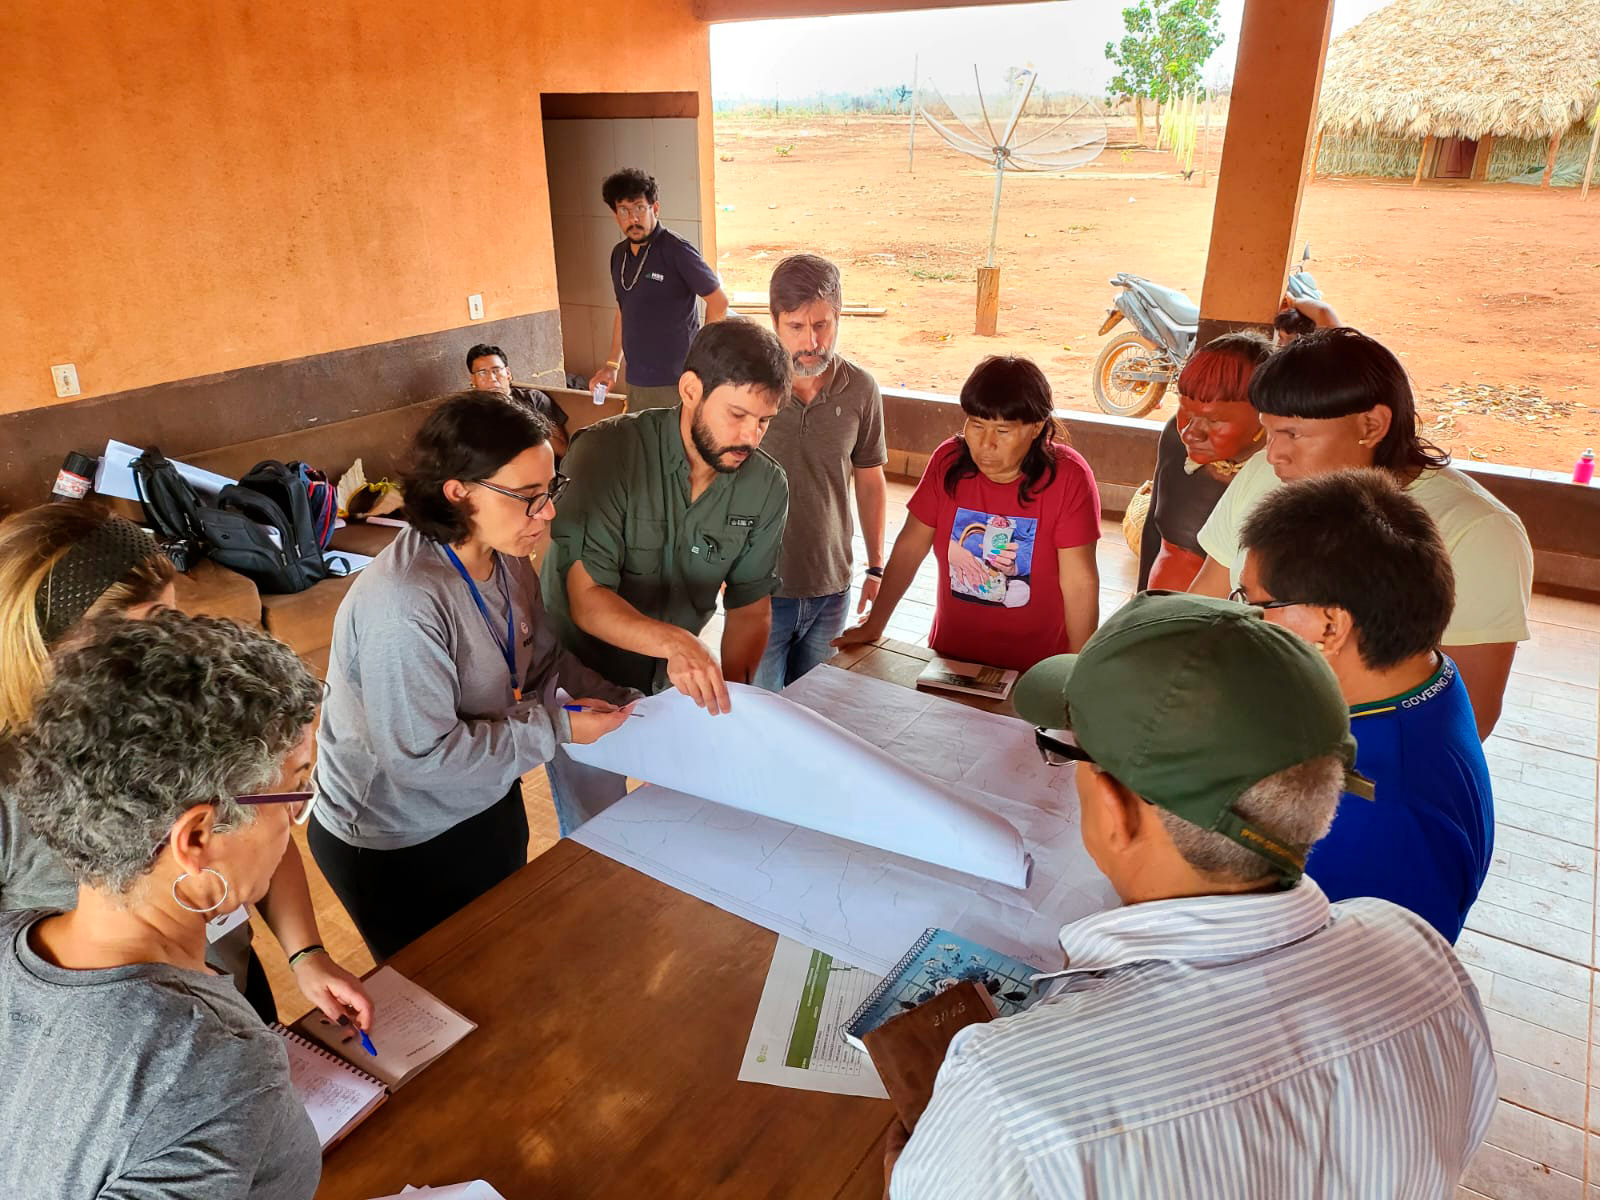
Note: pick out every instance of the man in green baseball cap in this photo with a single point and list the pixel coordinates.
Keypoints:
(1187, 703)
(1227, 1030)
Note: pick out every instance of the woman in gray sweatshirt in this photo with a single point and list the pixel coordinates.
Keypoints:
(442, 681)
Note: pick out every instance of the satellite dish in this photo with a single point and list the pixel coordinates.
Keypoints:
(1001, 128)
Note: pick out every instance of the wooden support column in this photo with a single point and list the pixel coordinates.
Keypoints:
(1594, 146)
(1480, 161)
(1282, 44)
(1422, 160)
(1550, 160)
(1316, 153)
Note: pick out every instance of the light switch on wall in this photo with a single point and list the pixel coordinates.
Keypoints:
(475, 306)
(65, 376)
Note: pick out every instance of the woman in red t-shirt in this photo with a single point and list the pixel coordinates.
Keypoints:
(1013, 516)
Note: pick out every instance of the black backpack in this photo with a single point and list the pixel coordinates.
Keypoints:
(235, 531)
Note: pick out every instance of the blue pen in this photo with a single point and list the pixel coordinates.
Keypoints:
(366, 1043)
(581, 709)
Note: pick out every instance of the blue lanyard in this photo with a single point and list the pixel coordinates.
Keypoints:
(508, 648)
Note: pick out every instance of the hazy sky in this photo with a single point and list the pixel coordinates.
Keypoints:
(1064, 41)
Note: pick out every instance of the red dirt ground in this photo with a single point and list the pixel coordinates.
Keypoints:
(1472, 284)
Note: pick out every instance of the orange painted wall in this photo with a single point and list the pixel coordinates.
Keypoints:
(195, 186)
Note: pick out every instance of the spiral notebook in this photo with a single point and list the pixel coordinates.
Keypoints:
(337, 1096)
(937, 960)
(411, 1028)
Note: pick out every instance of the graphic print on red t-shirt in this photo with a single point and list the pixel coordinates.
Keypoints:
(990, 558)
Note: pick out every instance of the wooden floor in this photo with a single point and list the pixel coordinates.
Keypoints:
(1531, 944)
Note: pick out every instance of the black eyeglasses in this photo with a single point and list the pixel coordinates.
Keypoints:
(1056, 753)
(301, 802)
(535, 504)
(1238, 597)
(299, 813)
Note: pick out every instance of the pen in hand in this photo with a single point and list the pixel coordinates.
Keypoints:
(578, 708)
(366, 1042)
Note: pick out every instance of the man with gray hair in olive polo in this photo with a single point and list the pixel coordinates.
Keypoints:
(826, 437)
(1227, 1031)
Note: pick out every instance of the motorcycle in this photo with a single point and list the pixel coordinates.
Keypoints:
(1137, 366)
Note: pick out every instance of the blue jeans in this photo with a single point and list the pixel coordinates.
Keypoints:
(802, 636)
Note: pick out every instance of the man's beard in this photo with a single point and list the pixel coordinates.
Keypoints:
(812, 370)
(710, 452)
(637, 233)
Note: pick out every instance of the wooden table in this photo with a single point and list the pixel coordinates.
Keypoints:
(612, 1016)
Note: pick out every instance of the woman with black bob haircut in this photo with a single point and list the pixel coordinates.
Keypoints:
(442, 681)
(1013, 514)
(1338, 399)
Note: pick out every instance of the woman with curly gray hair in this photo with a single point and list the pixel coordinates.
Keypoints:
(157, 765)
(63, 567)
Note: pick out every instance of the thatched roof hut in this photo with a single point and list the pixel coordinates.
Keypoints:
(1459, 88)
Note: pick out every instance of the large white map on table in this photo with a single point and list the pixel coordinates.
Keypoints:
(776, 758)
(861, 904)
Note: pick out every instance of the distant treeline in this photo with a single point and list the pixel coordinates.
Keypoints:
(887, 100)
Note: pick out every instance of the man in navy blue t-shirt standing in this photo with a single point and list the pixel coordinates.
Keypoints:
(656, 276)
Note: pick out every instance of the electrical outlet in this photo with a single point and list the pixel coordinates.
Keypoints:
(475, 306)
(65, 376)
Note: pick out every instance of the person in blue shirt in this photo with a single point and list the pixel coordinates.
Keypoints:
(656, 276)
(1356, 567)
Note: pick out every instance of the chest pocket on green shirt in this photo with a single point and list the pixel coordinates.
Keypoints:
(646, 541)
(713, 552)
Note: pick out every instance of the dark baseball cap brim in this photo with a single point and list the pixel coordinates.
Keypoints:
(1040, 696)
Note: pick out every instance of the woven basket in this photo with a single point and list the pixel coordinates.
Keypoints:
(1133, 519)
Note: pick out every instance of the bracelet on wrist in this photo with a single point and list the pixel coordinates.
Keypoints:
(875, 572)
(314, 948)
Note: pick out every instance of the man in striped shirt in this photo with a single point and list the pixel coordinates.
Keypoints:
(1228, 1032)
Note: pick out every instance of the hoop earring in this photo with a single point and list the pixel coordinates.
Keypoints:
(179, 900)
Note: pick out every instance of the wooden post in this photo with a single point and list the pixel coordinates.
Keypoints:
(988, 301)
(1205, 154)
(1271, 122)
(1422, 159)
(1550, 160)
(1316, 153)
(1480, 161)
(1588, 170)
(911, 151)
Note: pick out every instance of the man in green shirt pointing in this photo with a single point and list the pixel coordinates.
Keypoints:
(667, 508)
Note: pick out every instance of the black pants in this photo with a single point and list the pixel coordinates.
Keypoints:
(395, 896)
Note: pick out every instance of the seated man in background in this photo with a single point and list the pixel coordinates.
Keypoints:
(1228, 1032)
(667, 508)
(490, 372)
(828, 435)
(1356, 567)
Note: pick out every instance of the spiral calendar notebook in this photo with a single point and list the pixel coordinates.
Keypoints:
(337, 1096)
(938, 959)
(411, 1027)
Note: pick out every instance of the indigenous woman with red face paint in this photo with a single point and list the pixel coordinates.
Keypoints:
(1215, 432)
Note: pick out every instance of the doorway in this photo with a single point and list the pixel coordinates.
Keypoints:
(587, 136)
(1456, 157)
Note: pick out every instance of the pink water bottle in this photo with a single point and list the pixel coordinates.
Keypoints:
(1584, 471)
